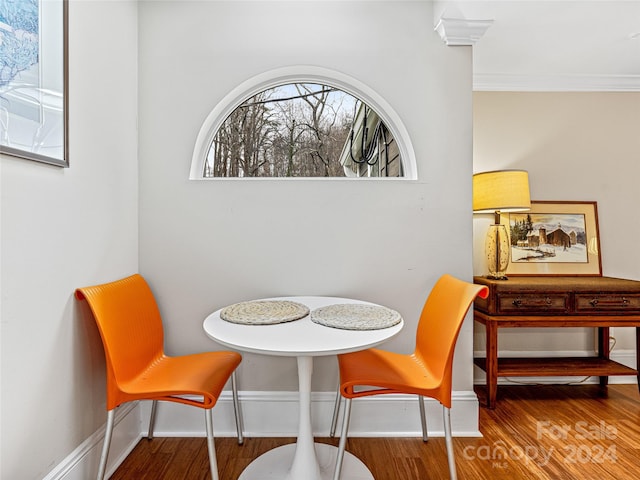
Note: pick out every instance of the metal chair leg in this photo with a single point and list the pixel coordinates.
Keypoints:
(449, 441)
(423, 419)
(336, 412)
(213, 463)
(107, 443)
(236, 409)
(343, 439)
(152, 419)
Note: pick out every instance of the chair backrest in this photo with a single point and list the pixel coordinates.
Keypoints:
(440, 323)
(130, 327)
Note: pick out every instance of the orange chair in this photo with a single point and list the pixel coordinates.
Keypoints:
(137, 368)
(426, 372)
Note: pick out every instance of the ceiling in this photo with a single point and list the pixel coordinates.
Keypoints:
(580, 45)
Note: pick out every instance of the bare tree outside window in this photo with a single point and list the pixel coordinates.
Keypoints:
(303, 130)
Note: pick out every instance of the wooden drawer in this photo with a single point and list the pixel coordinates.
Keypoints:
(605, 303)
(540, 303)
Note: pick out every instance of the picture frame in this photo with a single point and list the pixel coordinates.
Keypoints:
(34, 80)
(554, 238)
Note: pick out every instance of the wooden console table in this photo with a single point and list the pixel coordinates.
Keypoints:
(556, 301)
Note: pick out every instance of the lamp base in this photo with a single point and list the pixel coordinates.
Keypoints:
(497, 277)
(497, 252)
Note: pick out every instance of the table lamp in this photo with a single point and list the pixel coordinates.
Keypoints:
(495, 192)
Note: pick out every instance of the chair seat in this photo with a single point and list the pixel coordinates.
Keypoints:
(388, 372)
(204, 374)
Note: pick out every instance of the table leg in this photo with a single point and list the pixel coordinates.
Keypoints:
(604, 351)
(491, 362)
(305, 464)
(304, 460)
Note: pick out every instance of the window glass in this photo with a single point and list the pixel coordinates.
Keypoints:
(303, 130)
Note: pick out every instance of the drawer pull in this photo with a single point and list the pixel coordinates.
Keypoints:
(544, 302)
(623, 302)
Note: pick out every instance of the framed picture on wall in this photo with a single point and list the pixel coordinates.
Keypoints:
(33, 80)
(554, 238)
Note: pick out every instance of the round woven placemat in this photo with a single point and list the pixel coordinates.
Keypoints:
(264, 312)
(355, 316)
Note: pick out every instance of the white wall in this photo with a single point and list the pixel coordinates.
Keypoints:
(61, 229)
(576, 146)
(206, 244)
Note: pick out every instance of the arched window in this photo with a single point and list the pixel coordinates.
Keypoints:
(306, 125)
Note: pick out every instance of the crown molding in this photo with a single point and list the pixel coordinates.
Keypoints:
(460, 31)
(555, 83)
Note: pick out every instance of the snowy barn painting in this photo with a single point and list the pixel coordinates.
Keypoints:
(548, 237)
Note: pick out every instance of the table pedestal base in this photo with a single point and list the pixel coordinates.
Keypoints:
(275, 464)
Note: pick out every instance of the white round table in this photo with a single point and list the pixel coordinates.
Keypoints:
(303, 339)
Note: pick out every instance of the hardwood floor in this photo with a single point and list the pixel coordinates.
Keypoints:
(549, 432)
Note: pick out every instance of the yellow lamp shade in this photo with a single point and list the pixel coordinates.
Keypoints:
(501, 191)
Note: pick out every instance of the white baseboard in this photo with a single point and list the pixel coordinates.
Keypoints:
(625, 357)
(82, 463)
(275, 414)
(267, 414)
